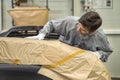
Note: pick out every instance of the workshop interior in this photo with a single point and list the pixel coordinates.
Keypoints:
(24, 18)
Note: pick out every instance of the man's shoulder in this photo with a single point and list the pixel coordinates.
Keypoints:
(100, 33)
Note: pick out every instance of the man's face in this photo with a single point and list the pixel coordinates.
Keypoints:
(81, 29)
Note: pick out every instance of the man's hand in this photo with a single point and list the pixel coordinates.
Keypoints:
(97, 54)
(101, 56)
(39, 36)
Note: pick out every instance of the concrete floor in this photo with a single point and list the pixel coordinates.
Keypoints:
(21, 76)
(115, 78)
(26, 76)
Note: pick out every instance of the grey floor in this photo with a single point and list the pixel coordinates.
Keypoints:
(20, 72)
(21, 76)
(26, 76)
(115, 78)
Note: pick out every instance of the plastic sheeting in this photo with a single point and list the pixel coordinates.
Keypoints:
(59, 61)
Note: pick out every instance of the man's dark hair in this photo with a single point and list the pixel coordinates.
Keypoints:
(91, 20)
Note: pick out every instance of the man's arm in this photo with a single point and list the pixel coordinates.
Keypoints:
(58, 26)
(103, 46)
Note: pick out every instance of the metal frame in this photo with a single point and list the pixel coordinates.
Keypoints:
(72, 7)
(1, 14)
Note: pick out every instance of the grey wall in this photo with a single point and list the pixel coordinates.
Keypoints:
(113, 63)
(0, 16)
(111, 23)
(6, 17)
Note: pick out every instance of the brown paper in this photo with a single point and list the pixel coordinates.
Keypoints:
(29, 17)
(60, 61)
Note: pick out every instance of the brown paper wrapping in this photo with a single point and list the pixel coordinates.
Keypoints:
(29, 17)
(60, 61)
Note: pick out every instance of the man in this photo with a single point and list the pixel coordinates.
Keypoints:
(83, 33)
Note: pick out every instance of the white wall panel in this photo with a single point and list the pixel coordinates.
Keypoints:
(0, 17)
(57, 8)
(60, 8)
(7, 21)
